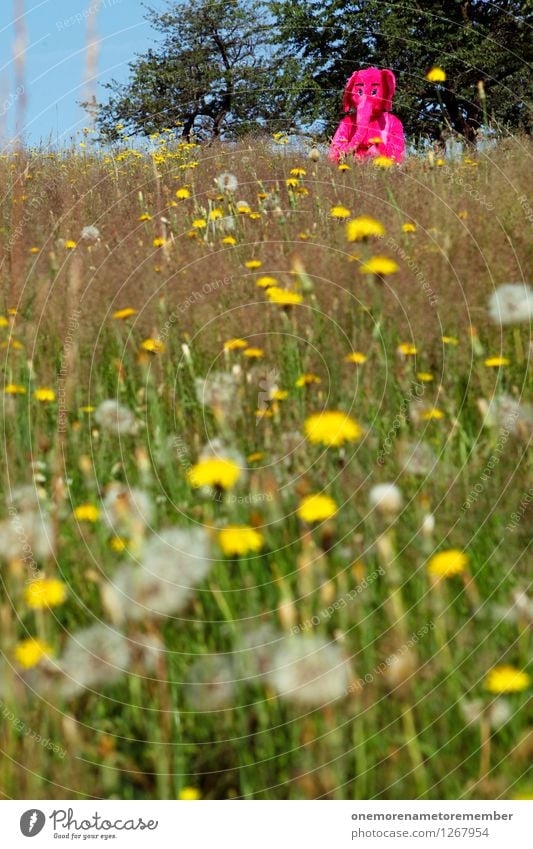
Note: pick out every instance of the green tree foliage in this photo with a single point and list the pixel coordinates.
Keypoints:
(473, 40)
(211, 73)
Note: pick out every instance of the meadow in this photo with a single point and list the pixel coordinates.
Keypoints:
(266, 495)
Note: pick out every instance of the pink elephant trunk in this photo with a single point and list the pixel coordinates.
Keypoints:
(364, 116)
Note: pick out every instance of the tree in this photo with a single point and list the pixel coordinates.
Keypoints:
(211, 74)
(472, 40)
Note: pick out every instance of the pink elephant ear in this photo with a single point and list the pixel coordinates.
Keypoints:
(388, 82)
(347, 102)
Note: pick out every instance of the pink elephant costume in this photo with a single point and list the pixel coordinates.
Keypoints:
(372, 131)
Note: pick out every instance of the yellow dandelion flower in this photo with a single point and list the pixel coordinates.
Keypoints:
(4, 322)
(254, 353)
(291, 182)
(425, 376)
(29, 652)
(332, 428)
(253, 263)
(450, 340)
(229, 240)
(380, 265)
(127, 312)
(70, 244)
(408, 227)
(87, 409)
(317, 508)
(356, 357)
(436, 75)
(199, 224)
(307, 379)
(158, 242)
(445, 564)
(507, 679)
(117, 544)
(495, 362)
(44, 394)
(216, 214)
(256, 457)
(215, 472)
(253, 216)
(298, 172)
(283, 297)
(189, 794)
(279, 395)
(145, 217)
(406, 349)
(440, 162)
(86, 513)
(343, 167)
(243, 209)
(35, 250)
(340, 212)
(238, 540)
(363, 227)
(433, 414)
(14, 389)
(383, 162)
(154, 346)
(463, 214)
(235, 344)
(45, 592)
(266, 281)
(183, 193)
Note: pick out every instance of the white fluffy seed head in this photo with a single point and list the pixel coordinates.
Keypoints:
(386, 498)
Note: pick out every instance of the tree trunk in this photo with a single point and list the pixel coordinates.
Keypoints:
(457, 119)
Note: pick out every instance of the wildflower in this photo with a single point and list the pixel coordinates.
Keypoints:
(416, 458)
(118, 544)
(380, 265)
(238, 540)
(309, 671)
(227, 182)
(216, 214)
(387, 498)
(183, 193)
(424, 376)
(235, 344)
(243, 207)
(87, 513)
(383, 162)
(214, 472)
(127, 510)
(332, 428)
(406, 349)
(343, 167)
(255, 457)
(266, 281)
(291, 182)
(127, 312)
(307, 380)
(229, 240)
(495, 362)
(210, 683)
(253, 263)
(445, 564)
(408, 227)
(283, 297)
(507, 679)
(362, 228)
(199, 224)
(4, 321)
(145, 217)
(220, 391)
(173, 563)
(511, 303)
(450, 340)
(189, 794)
(45, 592)
(158, 242)
(339, 211)
(314, 154)
(317, 508)
(432, 414)
(29, 652)
(154, 346)
(115, 418)
(90, 234)
(14, 389)
(355, 357)
(436, 75)
(94, 657)
(70, 244)
(44, 394)
(254, 353)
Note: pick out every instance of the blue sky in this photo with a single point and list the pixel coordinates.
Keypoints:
(55, 61)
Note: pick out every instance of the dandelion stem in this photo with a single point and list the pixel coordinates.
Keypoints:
(415, 754)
